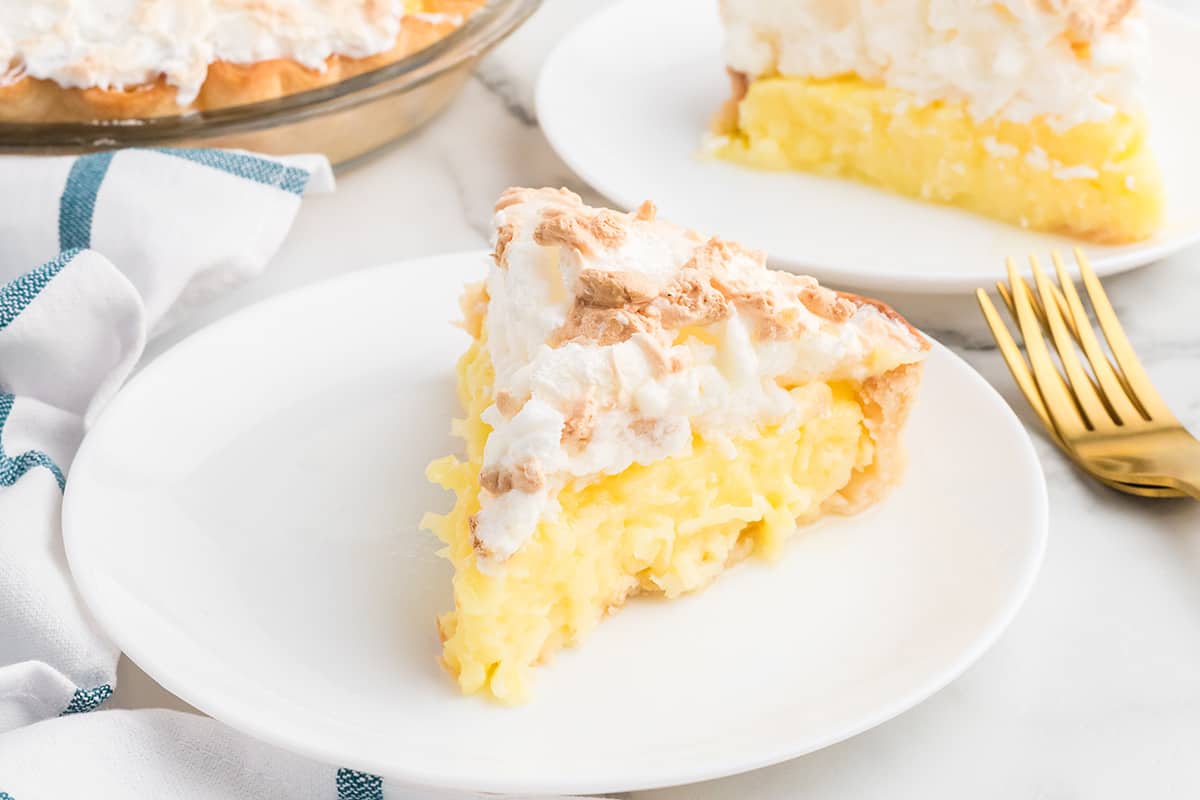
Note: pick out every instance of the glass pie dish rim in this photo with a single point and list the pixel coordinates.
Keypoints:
(486, 27)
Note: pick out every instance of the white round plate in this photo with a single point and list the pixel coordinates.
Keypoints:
(242, 520)
(626, 98)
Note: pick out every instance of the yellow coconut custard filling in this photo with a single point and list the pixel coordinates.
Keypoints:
(644, 407)
(1024, 111)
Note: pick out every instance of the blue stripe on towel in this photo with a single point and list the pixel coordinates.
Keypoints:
(78, 202)
(252, 168)
(353, 785)
(85, 700)
(11, 469)
(19, 293)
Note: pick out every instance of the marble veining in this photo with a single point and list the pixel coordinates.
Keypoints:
(501, 85)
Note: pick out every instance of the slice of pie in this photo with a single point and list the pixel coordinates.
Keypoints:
(96, 59)
(644, 407)
(1025, 110)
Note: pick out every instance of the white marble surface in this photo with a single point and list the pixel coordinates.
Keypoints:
(1094, 692)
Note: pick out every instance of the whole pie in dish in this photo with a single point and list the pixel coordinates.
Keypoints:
(92, 60)
(1025, 110)
(644, 407)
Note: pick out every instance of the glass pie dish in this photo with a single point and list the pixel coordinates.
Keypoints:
(343, 120)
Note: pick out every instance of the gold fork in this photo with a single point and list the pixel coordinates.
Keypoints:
(1110, 421)
(1025, 379)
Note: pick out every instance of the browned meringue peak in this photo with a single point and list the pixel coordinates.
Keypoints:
(611, 305)
(1086, 18)
(616, 338)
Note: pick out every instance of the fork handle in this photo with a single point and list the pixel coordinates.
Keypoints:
(1189, 487)
(1183, 476)
(1175, 463)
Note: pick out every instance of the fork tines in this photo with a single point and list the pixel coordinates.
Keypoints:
(1074, 397)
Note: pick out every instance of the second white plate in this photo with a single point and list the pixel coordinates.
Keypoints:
(626, 98)
(242, 521)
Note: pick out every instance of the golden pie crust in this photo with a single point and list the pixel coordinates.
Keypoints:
(227, 84)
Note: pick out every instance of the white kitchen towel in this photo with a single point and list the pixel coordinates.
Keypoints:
(124, 241)
(139, 755)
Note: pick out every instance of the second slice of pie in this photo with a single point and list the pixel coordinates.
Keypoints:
(644, 407)
(1030, 111)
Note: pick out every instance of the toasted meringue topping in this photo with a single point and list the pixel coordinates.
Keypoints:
(617, 337)
(1013, 59)
(116, 44)
(1088, 19)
